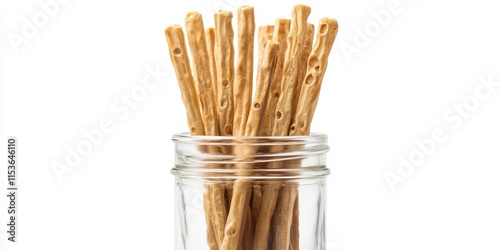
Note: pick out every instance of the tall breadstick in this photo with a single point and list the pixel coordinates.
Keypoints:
(196, 37)
(291, 69)
(244, 69)
(224, 59)
(264, 34)
(316, 68)
(283, 116)
(306, 50)
(210, 36)
(180, 60)
(199, 52)
(280, 34)
(242, 187)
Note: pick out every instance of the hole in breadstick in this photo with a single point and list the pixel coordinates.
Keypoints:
(256, 105)
(279, 115)
(193, 130)
(223, 103)
(228, 129)
(292, 128)
(276, 94)
(314, 63)
(225, 83)
(231, 232)
(323, 29)
(309, 79)
(177, 51)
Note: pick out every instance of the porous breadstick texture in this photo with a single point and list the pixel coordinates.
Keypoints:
(242, 187)
(264, 34)
(244, 69)
(265, 76)
(316, 68)
(280, 35)
(218, 213)
(306, 50)
(203, 78)
(291, 69)
(210, 37)
(180, 60)
(224, 59)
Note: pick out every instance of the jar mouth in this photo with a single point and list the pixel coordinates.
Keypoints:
(252, 157)
(185, 137)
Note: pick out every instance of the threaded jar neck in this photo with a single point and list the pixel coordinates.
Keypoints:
(262, 157)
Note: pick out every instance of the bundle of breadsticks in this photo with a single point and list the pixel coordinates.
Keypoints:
(217, 94)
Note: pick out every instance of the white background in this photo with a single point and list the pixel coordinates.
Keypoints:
(393, 89)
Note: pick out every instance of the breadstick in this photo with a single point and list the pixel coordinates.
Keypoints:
(291, 69)
(210, 36)
(224, 59)
(306, 50)
(270, 193)
(256, 201)
(294, 233)
(283, 216)
(180, 60)
(242, 187)
(316, 68)
(265, 33)
(244, 69)
(199, 53)
(211, 241)
(280, 34)
(308, 40)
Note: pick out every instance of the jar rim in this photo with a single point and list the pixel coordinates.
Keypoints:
(185, 137)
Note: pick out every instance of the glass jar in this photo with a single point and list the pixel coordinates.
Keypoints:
(250, 192)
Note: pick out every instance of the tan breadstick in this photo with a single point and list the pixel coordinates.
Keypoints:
(199, 53)
(224, 59)
(306, 50)
(264, 34)
(308, 40)
(256, 201)
(280, 35)
(242, 187)
(218, 211)
(295, 234)
(296, 37)
(210, 36)
(270, 193)
(180, 60)
(283, 216)
(246, 237)
(211, 241)
(243, 82)
(316, 68)
(291, 69)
